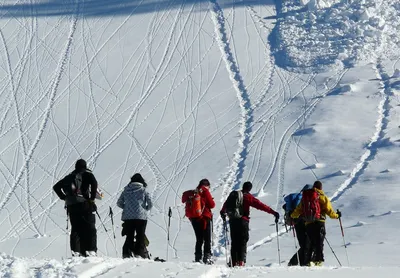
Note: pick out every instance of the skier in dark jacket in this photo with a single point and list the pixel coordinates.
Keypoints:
(135, 202)
(240, 226)
(78, 190)
(202, 225)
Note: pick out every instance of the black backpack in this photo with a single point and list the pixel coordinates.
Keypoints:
(234, 204)
(73, 185)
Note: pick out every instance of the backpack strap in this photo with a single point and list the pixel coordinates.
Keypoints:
(200, 191)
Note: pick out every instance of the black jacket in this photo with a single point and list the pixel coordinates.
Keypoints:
(88, 188)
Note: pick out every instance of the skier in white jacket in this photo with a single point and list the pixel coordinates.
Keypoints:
(136, 203)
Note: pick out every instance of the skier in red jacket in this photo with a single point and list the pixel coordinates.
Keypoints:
(202, 225)
(240, 226)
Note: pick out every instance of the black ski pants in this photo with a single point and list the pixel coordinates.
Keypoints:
(202, 230)
(315, 242)
(83, 235)
(135, 230)
(239, 238)
(301, 235)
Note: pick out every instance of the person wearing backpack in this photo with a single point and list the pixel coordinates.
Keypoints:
(237, 208)
(135, 203)
(78, 189)
(313, 208)
(291, 202)
(199, 203)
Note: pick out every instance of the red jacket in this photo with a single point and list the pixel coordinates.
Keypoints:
(207, 201)
(251, 201)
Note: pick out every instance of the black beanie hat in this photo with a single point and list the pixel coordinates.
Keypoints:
(204, 182)
(247, 186)
(80, 164)
(138, 178)
(318, 185)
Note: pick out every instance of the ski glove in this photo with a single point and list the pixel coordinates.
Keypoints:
(223, 215)
(339, 213)
(276, 214)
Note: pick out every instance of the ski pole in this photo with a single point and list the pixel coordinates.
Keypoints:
(332, 251)
(295, 244)
(344, 242)
(212, 231)
(66, 238)
(277, 240)
(169, 225)
(227, 251)
(111, 214)
(104, 226)
(212, 235)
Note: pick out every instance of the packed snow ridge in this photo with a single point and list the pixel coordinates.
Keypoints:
(315, 35)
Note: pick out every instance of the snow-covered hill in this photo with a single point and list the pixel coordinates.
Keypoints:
(280, 93)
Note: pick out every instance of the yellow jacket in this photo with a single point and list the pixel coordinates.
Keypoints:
(326, 208)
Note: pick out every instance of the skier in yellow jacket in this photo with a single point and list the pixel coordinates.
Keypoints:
(315, 230)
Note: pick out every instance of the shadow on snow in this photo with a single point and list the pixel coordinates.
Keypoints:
(98, 8)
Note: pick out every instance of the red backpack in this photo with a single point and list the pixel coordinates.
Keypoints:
(192, 200)
(310, 203)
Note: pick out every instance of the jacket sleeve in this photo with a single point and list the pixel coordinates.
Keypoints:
(329, 209)
(93, 187)
(58, 189)
(255, 203)
(209, 201)
(184, 197)
(149, 202)
(297, 211)
(121, 201)
(223, 209)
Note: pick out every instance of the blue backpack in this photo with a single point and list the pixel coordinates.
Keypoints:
(291, 202)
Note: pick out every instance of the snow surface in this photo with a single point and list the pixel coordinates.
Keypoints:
(280, 93)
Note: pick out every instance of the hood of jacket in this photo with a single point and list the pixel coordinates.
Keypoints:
(134, 186)
(320, 191)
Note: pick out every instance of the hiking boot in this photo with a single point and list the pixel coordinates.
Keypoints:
(75, 254)
(197, 258)
(207, 258)
(318, 263)
(310, 264)
(127, 256)
(91, 253)
(240, 263)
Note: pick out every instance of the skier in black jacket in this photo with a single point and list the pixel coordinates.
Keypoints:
(78, 190)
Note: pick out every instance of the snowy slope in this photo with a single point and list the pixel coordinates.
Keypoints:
(280, 93)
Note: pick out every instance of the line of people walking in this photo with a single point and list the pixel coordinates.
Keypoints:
(305, 212)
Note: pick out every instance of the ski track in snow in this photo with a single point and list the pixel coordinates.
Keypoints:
(280, 156)
(371, 148)
(232, 178)
(102, 267)
(53, 92)
(376, 139)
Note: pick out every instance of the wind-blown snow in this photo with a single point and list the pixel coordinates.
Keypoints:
(322, 34)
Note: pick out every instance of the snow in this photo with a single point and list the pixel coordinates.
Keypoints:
(280, 93)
